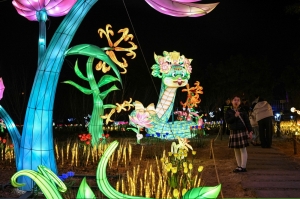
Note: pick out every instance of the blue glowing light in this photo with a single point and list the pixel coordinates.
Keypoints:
(36, 145)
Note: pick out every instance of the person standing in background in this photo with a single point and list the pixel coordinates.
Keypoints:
(254, 124)
(224, 108)
(240, 132)
(255, 100)
(245, 105)
(264, 114)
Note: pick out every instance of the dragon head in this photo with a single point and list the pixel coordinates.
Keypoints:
(173, 68)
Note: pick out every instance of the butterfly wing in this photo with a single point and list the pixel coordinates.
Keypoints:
(138, 106)
(151, 109)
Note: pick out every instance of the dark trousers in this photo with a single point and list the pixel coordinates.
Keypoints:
(225, 129)
(265, 131)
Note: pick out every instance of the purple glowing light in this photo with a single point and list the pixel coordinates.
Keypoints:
(181, 8)
(2, 87)
(187, 1)
(55, 8)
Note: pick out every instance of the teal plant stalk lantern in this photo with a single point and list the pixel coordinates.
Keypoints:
(38, 10)
(9, 124)
(35, 146)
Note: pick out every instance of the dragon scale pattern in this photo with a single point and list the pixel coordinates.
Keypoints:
(165, 102)
(174, 70)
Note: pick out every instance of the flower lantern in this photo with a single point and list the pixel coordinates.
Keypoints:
(141, 119)
(38, 10)
(2, 87)
(181, 8)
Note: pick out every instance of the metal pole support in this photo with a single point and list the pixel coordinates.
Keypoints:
(295, 144)
(278, 129)
(211, 146)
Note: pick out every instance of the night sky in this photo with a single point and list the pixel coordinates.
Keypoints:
(258, 28)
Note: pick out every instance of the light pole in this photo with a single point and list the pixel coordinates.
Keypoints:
(297, 131)
(277, 118)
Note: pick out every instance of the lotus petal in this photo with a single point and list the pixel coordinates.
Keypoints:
(55, 8)
(2, 87)
(141, 119)
(181, 8)
(186, 0)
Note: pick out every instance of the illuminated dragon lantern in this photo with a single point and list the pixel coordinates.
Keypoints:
(174, 70)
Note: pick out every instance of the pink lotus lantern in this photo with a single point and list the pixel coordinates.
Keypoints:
(181, 8)
(38, 10)
(30, 9)
(2, 87)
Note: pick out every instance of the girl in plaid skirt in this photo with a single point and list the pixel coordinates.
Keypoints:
(239, 126)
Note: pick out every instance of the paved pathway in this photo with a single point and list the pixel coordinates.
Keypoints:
(271, 174)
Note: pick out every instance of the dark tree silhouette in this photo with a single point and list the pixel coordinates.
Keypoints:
(246, 76)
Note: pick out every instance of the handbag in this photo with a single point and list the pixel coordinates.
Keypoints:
(247, 132)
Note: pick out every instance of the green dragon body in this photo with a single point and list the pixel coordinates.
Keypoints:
(174, 70)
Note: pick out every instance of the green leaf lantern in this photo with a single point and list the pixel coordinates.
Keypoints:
(45, 179)
(92, 51)
(110, 192)
(203, 192)
(85, 191)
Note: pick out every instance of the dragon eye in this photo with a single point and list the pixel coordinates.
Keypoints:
(183, 74)
(173, 74)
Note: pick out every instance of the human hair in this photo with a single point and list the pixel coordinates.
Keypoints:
(253, 105)
(260, 99)
(233, 96)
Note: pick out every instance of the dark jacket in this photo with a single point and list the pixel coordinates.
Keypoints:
(235, 123)
(224, 109)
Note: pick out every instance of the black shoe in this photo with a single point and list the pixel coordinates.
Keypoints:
(244, 170)
(253, 143)
(239, 169)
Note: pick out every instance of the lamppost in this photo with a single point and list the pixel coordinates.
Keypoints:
(294, 117)
(293, 109)
(277, 118)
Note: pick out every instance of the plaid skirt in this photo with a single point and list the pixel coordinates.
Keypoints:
(238, 139)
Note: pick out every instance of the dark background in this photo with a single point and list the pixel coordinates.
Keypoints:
(250, 29)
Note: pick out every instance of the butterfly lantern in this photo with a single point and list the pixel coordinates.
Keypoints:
(2, 87)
